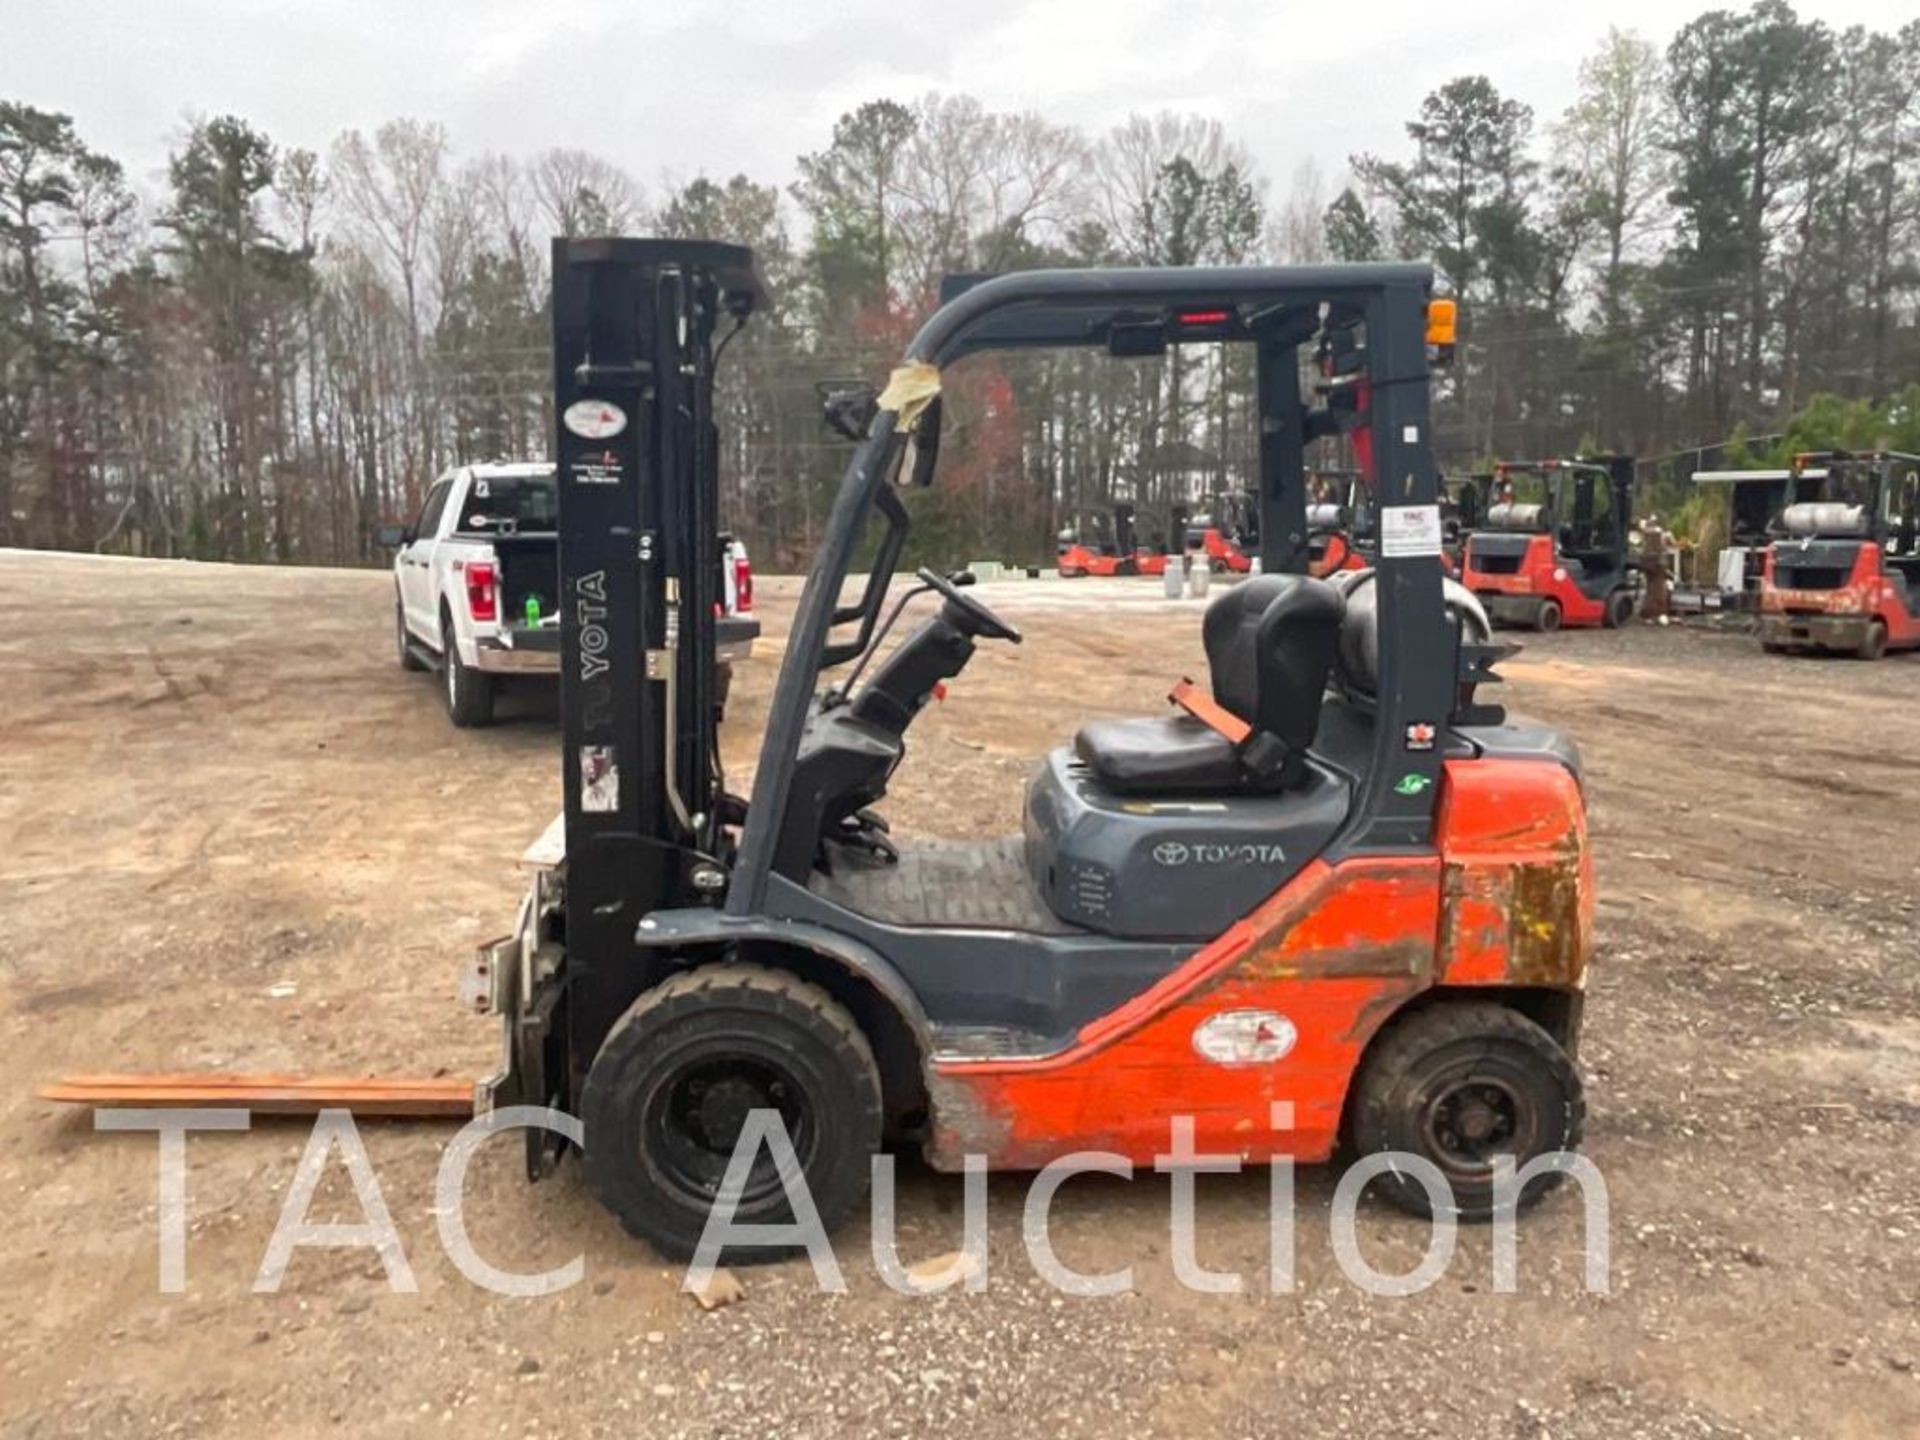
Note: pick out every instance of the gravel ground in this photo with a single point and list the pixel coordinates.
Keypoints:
(234, 834)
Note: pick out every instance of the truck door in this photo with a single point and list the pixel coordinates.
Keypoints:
(416, 564)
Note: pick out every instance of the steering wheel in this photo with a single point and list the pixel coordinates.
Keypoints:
(980, 620)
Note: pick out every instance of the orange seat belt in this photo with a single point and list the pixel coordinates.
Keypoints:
(1209, 712)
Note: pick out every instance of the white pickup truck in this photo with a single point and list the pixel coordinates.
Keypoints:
(476, 580)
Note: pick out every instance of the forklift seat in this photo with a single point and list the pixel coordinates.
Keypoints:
(1270, 646)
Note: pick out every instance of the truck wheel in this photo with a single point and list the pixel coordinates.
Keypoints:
(1875, 645)
(667, 1096)
(409, 660)
(1457, 1085)
(1547, 619)
(1619, 609)
(469, 692)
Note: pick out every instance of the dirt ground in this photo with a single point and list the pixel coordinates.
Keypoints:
(234, 834)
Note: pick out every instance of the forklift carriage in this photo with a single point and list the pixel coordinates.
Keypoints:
(1844, 572)
(1559, 559)
(1339, 881)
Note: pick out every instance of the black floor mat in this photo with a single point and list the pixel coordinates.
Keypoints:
(979, 884)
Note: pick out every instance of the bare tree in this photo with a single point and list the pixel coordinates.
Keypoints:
(390, 191)
(582, 194)
(1609, 139)
(1299, 227)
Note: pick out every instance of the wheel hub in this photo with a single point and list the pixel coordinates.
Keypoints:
(1474, 1120)
(696, 1122)
(723, 1107)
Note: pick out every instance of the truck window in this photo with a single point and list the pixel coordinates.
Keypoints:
(429, 522)
(510, 504)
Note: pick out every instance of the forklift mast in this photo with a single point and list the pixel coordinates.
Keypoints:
(634, 325)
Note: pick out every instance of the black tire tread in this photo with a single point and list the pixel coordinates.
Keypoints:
(696, 989)
(1409, 1040)
(478, 711)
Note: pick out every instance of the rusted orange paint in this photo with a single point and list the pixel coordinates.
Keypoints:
(1337, 951)
(1518, 889)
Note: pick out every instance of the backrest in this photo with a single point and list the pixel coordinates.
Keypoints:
(1270, 646)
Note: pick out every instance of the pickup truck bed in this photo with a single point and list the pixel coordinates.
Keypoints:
(477, 585)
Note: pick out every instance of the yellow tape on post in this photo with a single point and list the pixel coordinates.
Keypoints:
(909, 389)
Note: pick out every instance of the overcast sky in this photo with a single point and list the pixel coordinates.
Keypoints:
(677, 89)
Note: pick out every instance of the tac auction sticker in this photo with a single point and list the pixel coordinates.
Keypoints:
(594, 419)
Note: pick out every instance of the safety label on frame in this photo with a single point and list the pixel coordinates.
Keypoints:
(1410, 530)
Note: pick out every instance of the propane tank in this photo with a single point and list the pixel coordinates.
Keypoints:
(1199, 577)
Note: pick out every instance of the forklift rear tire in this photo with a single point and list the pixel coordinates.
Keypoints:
(1547, 618)
(1619, 609)
(666, 1097)
(469, 692)
(1458, 1084)
(409, 659)
(1875, 645)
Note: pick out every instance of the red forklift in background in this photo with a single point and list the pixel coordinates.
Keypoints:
(1552, 549)
(1102, 544)
(1119, 552)
(1339, 520)
(1845, 573)
(1227, 533)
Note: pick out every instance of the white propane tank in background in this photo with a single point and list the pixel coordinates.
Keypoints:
(1199, 577)
(1173, 580)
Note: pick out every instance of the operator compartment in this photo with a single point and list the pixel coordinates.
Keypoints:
(1142, 867)
(1177, 825)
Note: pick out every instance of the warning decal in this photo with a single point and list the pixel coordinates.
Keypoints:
(1410, 530)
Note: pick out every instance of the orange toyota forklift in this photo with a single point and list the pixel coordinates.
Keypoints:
(1552, 548)
(1844, 573)
(1332, 876)
(1082, 550)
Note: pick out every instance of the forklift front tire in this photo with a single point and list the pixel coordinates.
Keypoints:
(1875, 645)
(1458, 1084)
(469, 692)
(676, 1079)
(1619, 608)
(1547, 619)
